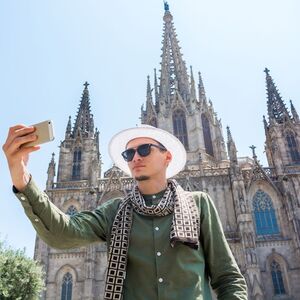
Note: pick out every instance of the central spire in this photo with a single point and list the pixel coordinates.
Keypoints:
(84, 123)
(174, 74)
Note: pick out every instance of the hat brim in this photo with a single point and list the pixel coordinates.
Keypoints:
(119, 141)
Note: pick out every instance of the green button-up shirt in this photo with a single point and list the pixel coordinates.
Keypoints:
(155, 270)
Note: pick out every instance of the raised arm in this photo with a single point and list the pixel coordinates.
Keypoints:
(53, 226)
(62, 231)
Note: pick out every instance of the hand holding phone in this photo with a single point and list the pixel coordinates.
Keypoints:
(44, 132)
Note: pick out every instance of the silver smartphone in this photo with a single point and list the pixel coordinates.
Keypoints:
(44, 132)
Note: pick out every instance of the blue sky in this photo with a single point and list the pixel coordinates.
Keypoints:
(48, 49)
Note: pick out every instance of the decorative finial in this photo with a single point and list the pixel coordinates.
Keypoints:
(166, 5)
(86, 84)
(266, 70)
(253, 151)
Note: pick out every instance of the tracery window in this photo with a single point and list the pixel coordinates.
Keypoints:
(179, 126)
(207, 135)
(293, 149)
(67, 286)
(76, 164)
(277, 278)
(71, 210)
(264, 213)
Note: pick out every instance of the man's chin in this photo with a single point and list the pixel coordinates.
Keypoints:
(142, 178)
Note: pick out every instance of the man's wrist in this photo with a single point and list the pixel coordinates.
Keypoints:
(17, 187)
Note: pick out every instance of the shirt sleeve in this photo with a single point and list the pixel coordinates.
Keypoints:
(62, 231)
(226, 278)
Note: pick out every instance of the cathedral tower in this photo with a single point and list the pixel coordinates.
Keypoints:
(76, 273)
(176, 107)
(79, 157)
(281, 129)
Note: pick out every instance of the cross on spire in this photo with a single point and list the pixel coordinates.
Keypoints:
(166, 5)
(253, 151)
(266, 70)
(86, 84)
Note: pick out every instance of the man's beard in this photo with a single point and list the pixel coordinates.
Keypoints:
(142, 178)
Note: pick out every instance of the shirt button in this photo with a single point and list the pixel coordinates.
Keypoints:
(36, 220)
(158, 253)
(160, 280)
(23, 198)
(156, 228)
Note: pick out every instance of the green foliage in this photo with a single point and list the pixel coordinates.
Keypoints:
(21, 278)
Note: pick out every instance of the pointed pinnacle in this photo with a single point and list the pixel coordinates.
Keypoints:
(192, 75)
(229, 136)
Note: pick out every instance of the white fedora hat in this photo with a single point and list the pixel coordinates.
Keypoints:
(120, 140)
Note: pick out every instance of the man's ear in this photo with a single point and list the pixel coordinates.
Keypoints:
(168, 157)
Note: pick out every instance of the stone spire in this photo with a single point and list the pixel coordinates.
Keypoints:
(68, 129)
(84, 123)
(276, 108)
(202, 95)
(51, 173)
(149, 102)
(193, 89)
(173, 68)
(265, 124)
(232, 152)
(294, 112)
(155, 89)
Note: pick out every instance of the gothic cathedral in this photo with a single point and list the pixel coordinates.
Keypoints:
(259, 206)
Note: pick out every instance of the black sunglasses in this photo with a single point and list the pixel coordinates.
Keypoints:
(142, 150)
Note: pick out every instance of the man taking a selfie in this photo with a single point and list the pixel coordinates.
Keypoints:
(164, 242)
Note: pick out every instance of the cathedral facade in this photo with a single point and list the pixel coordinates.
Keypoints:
(259, 206)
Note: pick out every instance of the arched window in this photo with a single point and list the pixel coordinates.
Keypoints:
(207, 135)
(67, 286)
(292, 145)
(76, 164)
(277, 278)
(71, 210)
(264, 213)
(179, 126)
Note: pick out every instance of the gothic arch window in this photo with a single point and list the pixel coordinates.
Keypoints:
(264, 213)
(76, 164)
(71, 210)
(66, 287)
(277, 279)
(292, 145)
(207, 135)
(179, 126)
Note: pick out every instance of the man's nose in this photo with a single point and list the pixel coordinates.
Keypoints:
(136, 157)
